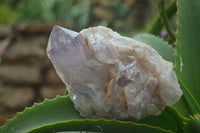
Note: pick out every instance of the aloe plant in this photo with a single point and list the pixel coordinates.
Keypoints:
(59, 115)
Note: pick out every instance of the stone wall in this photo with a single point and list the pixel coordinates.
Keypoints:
(26, 74)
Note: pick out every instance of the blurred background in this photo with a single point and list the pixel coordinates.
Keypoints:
(26, 74)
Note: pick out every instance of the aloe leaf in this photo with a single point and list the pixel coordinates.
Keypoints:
(187, 51)
(102, 125)
(161, 46)
(59, 115)
(47, 112)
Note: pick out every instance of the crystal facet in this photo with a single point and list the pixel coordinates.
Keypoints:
(110, 76)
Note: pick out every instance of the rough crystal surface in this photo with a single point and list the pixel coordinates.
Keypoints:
(110, 76)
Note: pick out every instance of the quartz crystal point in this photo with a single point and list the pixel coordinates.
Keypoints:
(111, 76)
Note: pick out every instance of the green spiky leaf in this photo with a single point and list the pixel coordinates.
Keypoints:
(47, 112)
(102, 125)
(187, 52)
(59, 115)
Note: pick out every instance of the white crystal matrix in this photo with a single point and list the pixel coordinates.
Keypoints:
(111, 76)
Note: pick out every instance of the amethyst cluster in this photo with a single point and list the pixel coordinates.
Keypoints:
(111, 76)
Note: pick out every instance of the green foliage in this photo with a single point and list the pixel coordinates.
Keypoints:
(187, 46)
(106, 126)
(187, 57)
(44, 11)
(59, 114)
(31, 10)
(76, 14)
(6, 15)
(47, 112)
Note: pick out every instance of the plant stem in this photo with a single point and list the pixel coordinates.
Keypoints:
(156, 25)
(166, 21)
